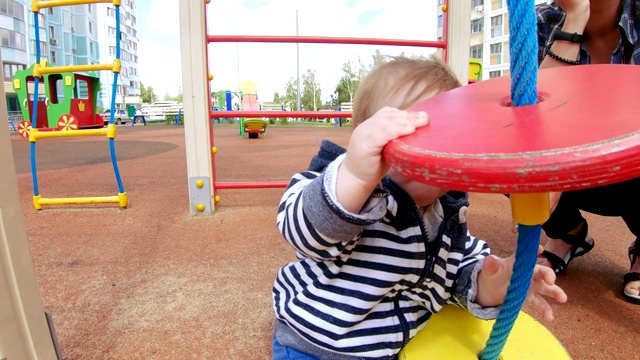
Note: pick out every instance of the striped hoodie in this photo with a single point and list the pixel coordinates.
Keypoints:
(364, 284)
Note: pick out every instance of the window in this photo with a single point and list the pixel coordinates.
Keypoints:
(10, 69)
(111, 12)
(475, 3)
(12, 8)
(111, 31)
(476, 52)
(477, 26)
(496, 26)
(495, 74)
(50, 11)
(13, 39)
(81, 89)
(53, 57)
(440, 20)
(495, 49)
(52, 32)
(112, 51)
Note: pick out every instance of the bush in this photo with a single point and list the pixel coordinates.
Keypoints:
(284, 121)
(272, 121)
(171, 119)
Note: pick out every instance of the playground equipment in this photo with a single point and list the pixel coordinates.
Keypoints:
(252, 127)
(405, 155)
(535, 155)
(26, 329)
(70, 100)
(200, 148)
(475, 70)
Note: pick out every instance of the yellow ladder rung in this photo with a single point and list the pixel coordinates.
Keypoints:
(39, 69)
(37, 5)
(109, 131)
(121, 198)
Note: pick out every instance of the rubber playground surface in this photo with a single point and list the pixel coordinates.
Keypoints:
(153, 282)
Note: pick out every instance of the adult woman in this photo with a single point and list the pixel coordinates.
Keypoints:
(574, 32)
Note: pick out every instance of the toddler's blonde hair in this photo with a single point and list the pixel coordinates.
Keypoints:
(401, 83)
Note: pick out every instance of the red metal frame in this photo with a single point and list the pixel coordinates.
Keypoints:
(303, 114)
(324, 40)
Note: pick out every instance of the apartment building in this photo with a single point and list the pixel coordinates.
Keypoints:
(489, 41)
(15, 54)
(128, 89)
(77, 34)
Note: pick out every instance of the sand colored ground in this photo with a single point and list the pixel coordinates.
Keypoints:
(153, 282)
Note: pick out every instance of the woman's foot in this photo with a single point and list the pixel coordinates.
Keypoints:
(631, 282)
(558, 253)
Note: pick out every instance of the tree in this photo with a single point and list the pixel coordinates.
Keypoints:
(349, 82)
(147, 95)
(277, 99)
(310, 97)
(174, 98)
(378, 59)
(291, 94)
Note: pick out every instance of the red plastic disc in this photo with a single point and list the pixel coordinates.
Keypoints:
(584, 133)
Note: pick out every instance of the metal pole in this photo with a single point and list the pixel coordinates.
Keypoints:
(238, 60)
(298, 65)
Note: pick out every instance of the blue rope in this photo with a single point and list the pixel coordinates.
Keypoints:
(526, 255)
(523, 47)
(34, 111)
(114, 89)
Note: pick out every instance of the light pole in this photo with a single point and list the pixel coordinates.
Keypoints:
(297, 65)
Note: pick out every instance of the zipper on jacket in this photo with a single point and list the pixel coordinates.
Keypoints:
(403, 321)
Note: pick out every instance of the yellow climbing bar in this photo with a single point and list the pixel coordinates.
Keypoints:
(121, 199)
(39, 70)
(37, 5)
(109, 131)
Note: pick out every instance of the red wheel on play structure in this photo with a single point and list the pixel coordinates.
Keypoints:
(24, 128)
(67, 122)
(584, 132)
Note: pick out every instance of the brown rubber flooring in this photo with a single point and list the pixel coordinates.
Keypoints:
(153, 282)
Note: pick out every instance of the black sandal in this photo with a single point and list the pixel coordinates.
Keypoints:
(582, 244)
(631, 276)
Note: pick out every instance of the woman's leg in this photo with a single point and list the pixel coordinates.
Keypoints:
(612, 200)
(632, 286)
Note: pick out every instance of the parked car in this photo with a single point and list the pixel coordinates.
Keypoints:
(121, 116)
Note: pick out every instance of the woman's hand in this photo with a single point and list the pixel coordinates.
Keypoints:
(578, 12)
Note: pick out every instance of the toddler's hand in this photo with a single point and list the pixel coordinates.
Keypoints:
(364, 166)
(493, 281)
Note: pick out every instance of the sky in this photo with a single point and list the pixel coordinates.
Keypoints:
(270, 65)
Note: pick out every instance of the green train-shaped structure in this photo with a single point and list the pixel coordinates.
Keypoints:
(66, 101)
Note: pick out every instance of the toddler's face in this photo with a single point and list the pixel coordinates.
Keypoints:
(421, 193)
